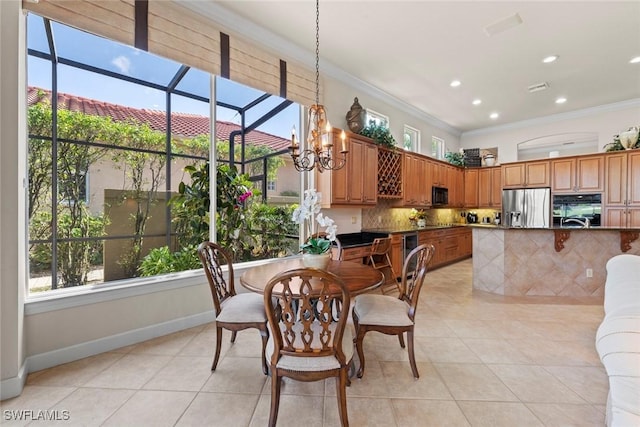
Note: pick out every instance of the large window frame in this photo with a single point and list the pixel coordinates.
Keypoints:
(170, 89)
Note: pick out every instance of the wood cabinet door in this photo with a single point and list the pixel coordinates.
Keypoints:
(458, 188)
(438, 174)
(590, 174)
(563, 172)
(513, 175)
(633, 179)
(370, 166)
(615, 193)
(496, 187)
(355, 166)
(615, 217)
(633, 218)
(537, 174)
(484, 188)
(471, 188)
(411, 178)
(396, 253)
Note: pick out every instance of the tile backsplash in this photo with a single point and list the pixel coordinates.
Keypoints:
(385, 215)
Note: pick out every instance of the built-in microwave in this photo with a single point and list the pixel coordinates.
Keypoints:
(439, 196)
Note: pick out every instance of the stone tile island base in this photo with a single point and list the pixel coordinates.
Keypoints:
(525, 263)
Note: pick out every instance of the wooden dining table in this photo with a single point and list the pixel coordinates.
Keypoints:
(359, 278)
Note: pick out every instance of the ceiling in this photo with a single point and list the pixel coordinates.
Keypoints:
(411, 51)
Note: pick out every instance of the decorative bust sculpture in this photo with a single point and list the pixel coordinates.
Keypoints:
(355, 117)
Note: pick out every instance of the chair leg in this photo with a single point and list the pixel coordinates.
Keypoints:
(275, 398)
(359, 338)
(341, 393)
(264, 333)
(401, 339)
(233, 336)
(412, 356)
(218, 347)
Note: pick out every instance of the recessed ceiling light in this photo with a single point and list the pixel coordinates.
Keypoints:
(477, 101)
(550, 59)
(455, 83)
(635, 60)
(561, 100)
(494, 116)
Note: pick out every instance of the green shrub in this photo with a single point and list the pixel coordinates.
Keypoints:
(163, 261)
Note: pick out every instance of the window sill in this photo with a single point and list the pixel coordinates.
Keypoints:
(91, 294)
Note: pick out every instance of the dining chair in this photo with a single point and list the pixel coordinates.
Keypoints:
(234, 312)
(394, 315)
(307, 311)
(379, 259)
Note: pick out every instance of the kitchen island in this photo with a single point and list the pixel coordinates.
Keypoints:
(559, 262)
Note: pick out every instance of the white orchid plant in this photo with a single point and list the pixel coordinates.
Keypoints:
(308, 213)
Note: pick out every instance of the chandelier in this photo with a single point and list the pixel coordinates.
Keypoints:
(319, 150)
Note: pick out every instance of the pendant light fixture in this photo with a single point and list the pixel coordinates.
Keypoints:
(319, 150)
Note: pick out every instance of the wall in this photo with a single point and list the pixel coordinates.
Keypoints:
(606, 121)
(12, 209)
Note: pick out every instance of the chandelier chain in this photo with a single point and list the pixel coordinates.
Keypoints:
(317, 52)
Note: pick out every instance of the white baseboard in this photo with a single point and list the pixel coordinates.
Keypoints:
(12, 387)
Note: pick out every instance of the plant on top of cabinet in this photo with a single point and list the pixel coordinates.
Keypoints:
(455, 158)
(380, 134)
(626, 140)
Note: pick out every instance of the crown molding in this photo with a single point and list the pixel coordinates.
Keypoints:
(232, 22)
(569, 115)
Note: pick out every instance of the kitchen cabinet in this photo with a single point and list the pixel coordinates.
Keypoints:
(471, 188)
(439, 174)
(456, 187)
(356, 253)
(353, 185)
(417, 191)
(396, 254)
(451, 244)
(526, 174)
(578, 174)
(622, 189)
(490, 187)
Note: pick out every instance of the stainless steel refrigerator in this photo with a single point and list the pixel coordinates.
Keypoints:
(526, 208)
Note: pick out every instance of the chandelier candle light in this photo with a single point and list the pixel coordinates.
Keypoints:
(319, 150)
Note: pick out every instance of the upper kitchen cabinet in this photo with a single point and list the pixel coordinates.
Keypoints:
(439, 174)
(471, 188)
(456, 187)
(355, 184)
(622, 189)
(583, 174)
(490, 187)
(417, 190)
(526, 174)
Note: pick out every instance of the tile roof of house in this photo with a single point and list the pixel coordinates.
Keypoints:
(182, 124)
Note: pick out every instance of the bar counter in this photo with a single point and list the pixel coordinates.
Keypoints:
(560, 262)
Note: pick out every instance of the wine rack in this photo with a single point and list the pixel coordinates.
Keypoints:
(389, 173)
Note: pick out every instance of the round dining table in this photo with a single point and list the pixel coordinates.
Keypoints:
(359, 278)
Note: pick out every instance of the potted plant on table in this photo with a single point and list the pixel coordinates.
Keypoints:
(317, 250)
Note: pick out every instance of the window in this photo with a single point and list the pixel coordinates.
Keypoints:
(377, 118)
(143, 143)
(411, 140)
(437, 147)
(271, 185)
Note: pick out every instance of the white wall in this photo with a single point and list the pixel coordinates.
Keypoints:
(606, 121)
(12, 208)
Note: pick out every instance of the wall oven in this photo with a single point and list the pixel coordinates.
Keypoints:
(577, 210)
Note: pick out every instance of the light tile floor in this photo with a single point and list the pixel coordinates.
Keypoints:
(483, 360)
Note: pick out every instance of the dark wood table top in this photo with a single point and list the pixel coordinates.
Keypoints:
(359, 278)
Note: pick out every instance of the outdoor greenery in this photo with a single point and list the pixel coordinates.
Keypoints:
(379, 133)
(249, 229)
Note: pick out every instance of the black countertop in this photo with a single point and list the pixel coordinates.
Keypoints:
(350, 240)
